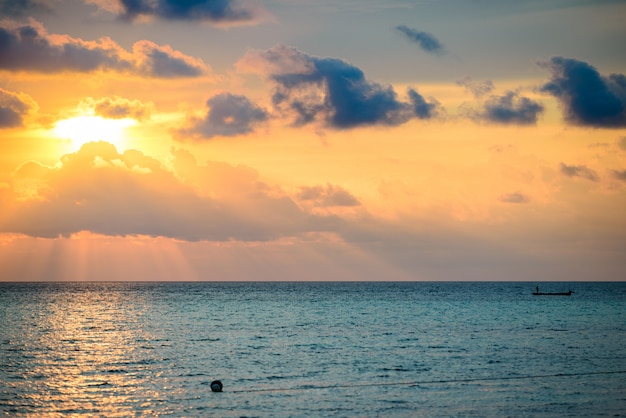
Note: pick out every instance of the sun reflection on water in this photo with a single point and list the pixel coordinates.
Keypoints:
(88, 351)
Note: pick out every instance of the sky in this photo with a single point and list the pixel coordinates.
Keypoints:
(312, 140)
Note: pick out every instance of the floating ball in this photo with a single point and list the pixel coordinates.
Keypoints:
(216, 386)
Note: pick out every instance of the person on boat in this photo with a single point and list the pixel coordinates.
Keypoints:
(537, 289)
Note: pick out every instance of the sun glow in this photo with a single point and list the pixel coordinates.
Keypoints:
(83, 129)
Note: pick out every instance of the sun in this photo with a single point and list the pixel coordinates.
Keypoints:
(83, 129)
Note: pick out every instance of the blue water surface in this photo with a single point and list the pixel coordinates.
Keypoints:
(312, 349)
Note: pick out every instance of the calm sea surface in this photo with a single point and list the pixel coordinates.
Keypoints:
(312, 349)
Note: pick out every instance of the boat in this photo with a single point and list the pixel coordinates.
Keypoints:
(538, 293)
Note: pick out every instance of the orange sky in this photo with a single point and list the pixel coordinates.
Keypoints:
(312, 141)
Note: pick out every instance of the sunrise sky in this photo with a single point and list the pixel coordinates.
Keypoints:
(312, 140)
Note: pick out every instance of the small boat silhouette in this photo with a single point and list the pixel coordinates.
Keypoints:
(538, 293)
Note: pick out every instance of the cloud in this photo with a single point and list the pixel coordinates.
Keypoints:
(13, 108)
(328, 196)
(228, 115)
(514, 198)
(510, 108)
(18, 8)
(216, 11)
(119, 108)
(28, 47)
(102, 191)
(619, 174)
(578, 171)
(333, 90)
(163, 62)
(476, 88)
(422, 108)
(425, 40)
(587, 97)
(507, 108)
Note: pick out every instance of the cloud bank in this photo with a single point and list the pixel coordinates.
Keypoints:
(332, 90)
(425, 40)
(587, 97)
(28, 47)
(100, 190)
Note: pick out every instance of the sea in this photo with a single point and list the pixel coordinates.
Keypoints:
(312, 349)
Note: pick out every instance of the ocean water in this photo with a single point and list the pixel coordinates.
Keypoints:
(312, 349)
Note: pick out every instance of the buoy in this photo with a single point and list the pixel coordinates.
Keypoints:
(216, 386)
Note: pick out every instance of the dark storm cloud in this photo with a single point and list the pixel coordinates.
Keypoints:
(19, 8)
(424, 39)
(333, 90)
(588, 98)
(578, 171)
(27, 47)
(511, 109)
(514, 198)
(228, 115)
(226, 11)
(13, 108)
